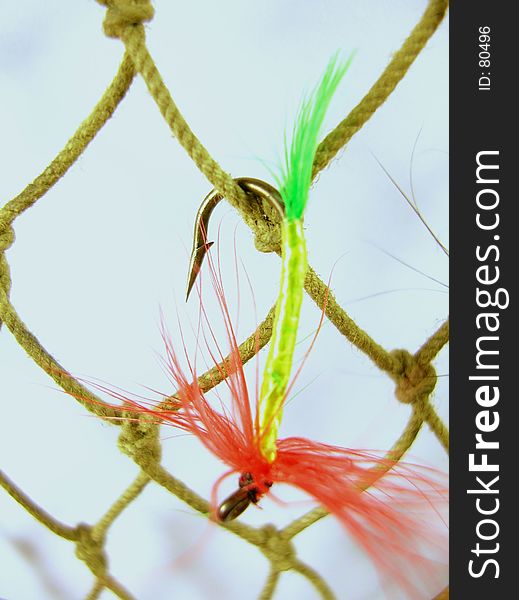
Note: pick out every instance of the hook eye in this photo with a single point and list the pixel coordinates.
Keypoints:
(233, 506)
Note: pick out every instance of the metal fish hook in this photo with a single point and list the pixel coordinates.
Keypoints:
(255, 188)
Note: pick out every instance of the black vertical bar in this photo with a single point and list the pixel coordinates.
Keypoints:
(484, 238)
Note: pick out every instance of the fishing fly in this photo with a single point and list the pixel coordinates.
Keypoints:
(294, 184)
(386, 519)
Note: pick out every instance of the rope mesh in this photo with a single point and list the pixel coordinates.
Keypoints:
(413, 373)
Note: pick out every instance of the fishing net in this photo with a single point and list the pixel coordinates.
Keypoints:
(412, 372)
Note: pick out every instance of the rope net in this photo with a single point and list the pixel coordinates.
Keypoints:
(413, 373)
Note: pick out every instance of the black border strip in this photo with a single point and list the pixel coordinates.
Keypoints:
(483, 125)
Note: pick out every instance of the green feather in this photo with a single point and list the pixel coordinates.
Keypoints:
(296, 173)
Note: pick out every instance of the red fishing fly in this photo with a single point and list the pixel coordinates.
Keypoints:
(391, 508)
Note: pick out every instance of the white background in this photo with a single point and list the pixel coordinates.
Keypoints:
(104, 250)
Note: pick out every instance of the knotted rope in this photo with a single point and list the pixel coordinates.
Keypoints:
(414, 375)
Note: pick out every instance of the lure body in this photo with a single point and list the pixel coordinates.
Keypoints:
(294, 183)
(279, 360)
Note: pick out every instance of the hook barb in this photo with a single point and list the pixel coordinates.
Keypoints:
(256, 189)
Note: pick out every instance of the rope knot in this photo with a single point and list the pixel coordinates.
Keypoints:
(6, 240)
(139, 439)
(414, 381)
(6, 237)
(277, 549)
(264, 221)
(90, 550)
(121, 14)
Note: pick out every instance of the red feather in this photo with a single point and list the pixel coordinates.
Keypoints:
(396, 519)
